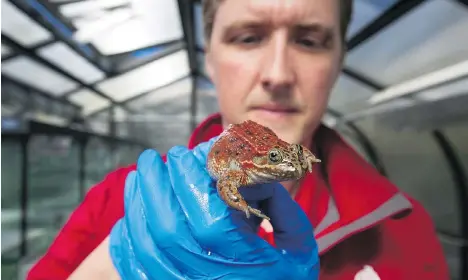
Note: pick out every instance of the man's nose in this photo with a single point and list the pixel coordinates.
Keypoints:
(278, 75)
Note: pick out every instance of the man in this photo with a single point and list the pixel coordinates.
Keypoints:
(275, 62)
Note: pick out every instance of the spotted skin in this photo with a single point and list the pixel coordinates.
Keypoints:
(248, 153)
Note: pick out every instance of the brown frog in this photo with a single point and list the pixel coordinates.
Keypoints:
(248, 153)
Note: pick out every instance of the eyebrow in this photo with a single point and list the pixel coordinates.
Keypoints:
(300, 27)
(314, 27)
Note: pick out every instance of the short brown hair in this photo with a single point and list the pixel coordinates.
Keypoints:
(211, 6)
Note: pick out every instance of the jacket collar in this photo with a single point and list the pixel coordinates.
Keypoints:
(353, 198)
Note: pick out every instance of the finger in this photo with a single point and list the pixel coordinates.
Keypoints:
(130, 232)
(122, 254)
(201, 151)
(194, 188)
(254, 196)
(166, 221)
(165, 237)
(292, 228)
(207, 215)
(157, 197)
(258, 192)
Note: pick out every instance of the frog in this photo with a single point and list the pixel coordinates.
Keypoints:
(246, 154)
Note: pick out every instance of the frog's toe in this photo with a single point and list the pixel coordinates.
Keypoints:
(258, 213)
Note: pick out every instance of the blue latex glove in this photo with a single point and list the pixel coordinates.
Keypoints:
(176, 226)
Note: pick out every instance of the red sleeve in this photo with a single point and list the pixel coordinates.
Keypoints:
(88, 225)
(422, 249)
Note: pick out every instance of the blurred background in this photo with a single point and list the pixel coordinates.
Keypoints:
(88, 84)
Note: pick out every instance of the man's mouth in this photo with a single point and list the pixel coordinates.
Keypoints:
(274, 113)
(278, 109)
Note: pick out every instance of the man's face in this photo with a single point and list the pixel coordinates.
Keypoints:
(275, 62)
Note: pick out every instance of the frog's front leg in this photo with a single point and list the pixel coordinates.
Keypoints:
(228, 188)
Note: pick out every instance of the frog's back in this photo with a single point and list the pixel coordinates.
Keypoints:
(238, 144)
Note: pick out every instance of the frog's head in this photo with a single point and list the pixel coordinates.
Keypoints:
(282, 163)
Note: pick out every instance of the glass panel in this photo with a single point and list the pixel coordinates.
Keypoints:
(148, 77)
(67, 59)
(349, 136)
(179, 132)
(121, 122)
(129, 61)
(10, 269)
(11, 198)
(453, 258)
(99, 123)
(458, 135)
(90, 101)
(179, 106)
(139, 129)
(53, 187)
(207, 105)
(425, 47)
(366, 11)
(19, 27)
(15, 100)
(198, 23)
(5, 50)
(99, 161)
(119, 29)
(37, 75)
(179, 89)
(207, 102)
(127, 154)
(416, 164)
(347, 90)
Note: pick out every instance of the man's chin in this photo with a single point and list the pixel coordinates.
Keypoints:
(267, 117)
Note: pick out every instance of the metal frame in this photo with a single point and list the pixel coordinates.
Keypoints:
(461, 182)
(362, 138)
(30, 89)
(39, 10)
(391, 15)
(23, 133)
(186, 14)
(32, 54)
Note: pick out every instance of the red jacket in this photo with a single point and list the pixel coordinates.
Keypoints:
(363, 224)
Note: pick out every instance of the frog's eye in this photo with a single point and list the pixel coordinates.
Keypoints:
(274, 156)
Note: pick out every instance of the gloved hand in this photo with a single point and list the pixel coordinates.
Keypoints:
(176, 226)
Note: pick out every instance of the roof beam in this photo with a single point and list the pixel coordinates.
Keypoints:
(30, 88)
(390, 16)
(36, 47)
(126, 101)
(32, 54)
(360, 78)
(464, 2)
(169, 48)
(42, 14)
(177, 46)
(425, 82)
(186, 9)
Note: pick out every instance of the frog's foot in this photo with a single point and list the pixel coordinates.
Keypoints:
(228, 190)
(258, 213)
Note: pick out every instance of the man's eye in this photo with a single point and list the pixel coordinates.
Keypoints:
(248, 39)
(308, 43)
